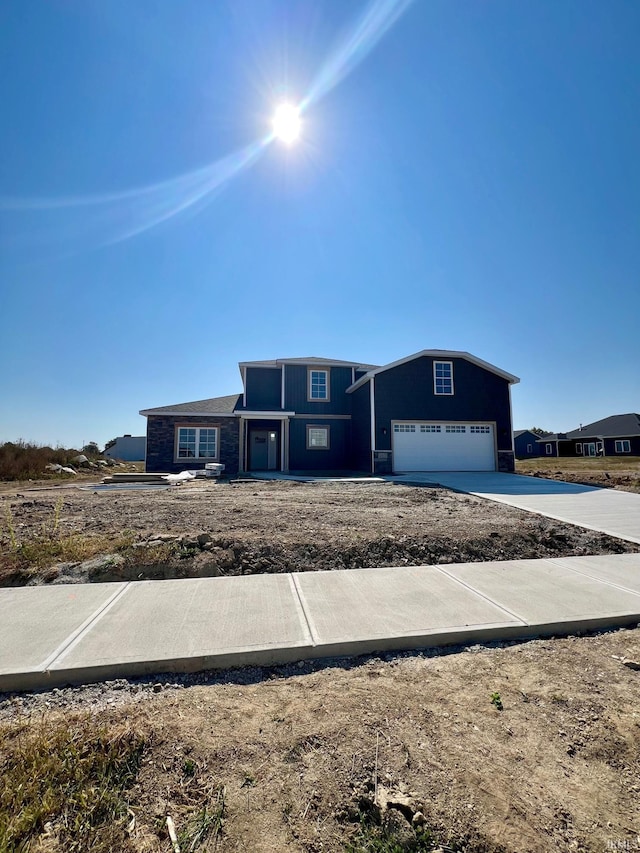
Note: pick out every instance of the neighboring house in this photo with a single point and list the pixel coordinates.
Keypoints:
(128, 448)
(525, 444)
(434, 410)
(617, 435)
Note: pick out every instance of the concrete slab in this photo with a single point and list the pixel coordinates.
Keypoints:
(362, 610)
(548, 595)
(606, 510)
(188, 625)
(36, 623)
(622, 570)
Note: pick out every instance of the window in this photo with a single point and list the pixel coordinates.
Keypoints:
(578, 449)
(623, 445)
(455, 428)
(443, 377)
(477, 428)
(529, 448)
(317, 437)
(197, 443)
(548, 449)
(430, 428)
(404, 427)
(318, 384)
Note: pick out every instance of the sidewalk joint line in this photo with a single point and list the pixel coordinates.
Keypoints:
(315, 640)
(74, 638)
(481, 594)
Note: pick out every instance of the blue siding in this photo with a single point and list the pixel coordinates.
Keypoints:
(264, 388)
(333, 459)
(296, 391)
(406, 393)
(361, 428)
(522, 442)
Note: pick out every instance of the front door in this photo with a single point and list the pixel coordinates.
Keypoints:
(263, 450)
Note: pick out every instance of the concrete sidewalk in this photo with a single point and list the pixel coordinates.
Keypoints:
(606, 510)
(55, 635)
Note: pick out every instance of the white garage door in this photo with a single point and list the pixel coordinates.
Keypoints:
(443, 447)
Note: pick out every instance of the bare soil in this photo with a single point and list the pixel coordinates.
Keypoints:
(531, 746)
(203, 529)
(305, 753)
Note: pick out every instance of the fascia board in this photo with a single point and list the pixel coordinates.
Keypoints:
(438, 354)
(146, 412)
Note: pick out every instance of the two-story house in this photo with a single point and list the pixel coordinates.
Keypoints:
(434, 410)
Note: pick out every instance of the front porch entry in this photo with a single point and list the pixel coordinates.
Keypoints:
(263, 450)
(263, 444)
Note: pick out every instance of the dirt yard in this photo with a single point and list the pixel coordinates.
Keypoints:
(206, 528)
(525, 748)
(520, 747)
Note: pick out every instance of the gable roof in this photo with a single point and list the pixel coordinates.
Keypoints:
(615, 426)
(311, 359)
(435, 353)
(518, 432)
(212, 406)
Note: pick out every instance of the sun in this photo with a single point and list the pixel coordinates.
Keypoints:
(286, 124)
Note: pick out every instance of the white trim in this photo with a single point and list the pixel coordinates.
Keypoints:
(197, 429)
(187, 414)
(372, 403)
(282, 387)
(618, 441)
(329, 362)
(243, 371)
(266, 415)
(319, 427)
(327, 384)
(440, 355)
(437, 393)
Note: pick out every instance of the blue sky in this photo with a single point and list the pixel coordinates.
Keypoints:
(468, 178)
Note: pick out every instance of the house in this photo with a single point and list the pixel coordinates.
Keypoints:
(525, 444)
(433, 410)
(617, 435)
(128, 448)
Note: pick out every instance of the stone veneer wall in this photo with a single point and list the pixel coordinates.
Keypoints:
(161, 431)
(506, 462)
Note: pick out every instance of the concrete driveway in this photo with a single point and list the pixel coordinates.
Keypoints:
(606, 510)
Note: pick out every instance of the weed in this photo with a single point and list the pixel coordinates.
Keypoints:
(189, 767)
(8, 515)
(205, 824)
(497, 701)
(67, 781)
(384, 839)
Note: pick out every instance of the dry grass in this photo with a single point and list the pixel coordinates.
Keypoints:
(601, 463)
(63, 786)
(26, 557)
(22, 460)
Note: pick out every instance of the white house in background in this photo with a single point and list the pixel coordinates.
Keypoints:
(128, 448)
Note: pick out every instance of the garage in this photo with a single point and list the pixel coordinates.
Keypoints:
(455, 446)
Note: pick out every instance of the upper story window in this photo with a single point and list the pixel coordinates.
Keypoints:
(318, 385)
(443, 377)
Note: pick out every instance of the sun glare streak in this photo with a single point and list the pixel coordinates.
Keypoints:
(377, 20)
(110, 218)
(84, 222)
